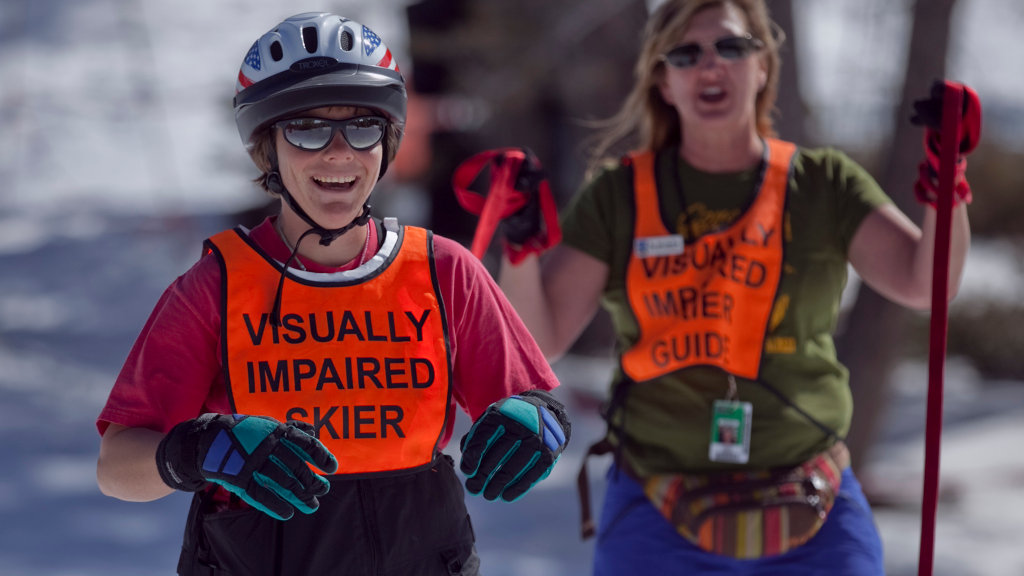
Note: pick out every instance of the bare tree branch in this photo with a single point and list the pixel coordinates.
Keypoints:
(872, 343)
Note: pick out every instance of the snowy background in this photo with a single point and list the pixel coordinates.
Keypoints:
(118, 155)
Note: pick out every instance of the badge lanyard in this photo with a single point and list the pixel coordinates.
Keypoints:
(730, 418)
(691, 236)
(730, 427)
(688, 234)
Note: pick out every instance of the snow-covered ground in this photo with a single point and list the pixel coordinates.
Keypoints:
(72, 303)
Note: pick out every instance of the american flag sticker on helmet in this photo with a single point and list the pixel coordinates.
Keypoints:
(370, 40)
(253, 57)
(385, 62)
(243, 82)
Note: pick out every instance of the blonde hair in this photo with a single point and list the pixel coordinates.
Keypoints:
(264, 148)
(645, 120)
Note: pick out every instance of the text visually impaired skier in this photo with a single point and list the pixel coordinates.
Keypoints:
(302, 377)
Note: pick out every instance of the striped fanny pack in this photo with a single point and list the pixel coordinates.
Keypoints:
(751, 514)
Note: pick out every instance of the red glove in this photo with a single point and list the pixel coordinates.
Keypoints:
(519, 197)
(928, 113)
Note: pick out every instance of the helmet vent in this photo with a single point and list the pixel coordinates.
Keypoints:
(310, 39)
(275, 51)
(346, 40)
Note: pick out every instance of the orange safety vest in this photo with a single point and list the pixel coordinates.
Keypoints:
(362, 355)
(707, 303)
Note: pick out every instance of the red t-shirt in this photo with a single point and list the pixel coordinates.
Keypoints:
(174, 370)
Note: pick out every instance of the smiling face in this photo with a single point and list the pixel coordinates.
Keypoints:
(716, 93)
(332, 184)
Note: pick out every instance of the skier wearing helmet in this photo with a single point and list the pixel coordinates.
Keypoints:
(313, 364)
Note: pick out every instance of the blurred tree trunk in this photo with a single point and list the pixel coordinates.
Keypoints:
(872, 343)
(539, 68)
(792, 116)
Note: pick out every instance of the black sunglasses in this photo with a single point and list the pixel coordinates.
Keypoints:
(312, 134)
(732, 48)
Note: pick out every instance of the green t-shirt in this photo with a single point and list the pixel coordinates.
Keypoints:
(668, 419)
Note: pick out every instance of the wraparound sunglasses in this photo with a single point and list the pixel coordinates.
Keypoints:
(731, 48)
(312, 134)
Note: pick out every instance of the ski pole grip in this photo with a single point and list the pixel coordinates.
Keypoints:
(501, 200)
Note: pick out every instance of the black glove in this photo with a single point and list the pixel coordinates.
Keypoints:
(928, 113)
(519, 197)
(257, 458)
(514, 445)
(526, 223)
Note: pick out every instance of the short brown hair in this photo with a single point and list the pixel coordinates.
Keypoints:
(264, 149)
(645, 120)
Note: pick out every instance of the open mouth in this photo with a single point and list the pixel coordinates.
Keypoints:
(712, 95)
(335, 183)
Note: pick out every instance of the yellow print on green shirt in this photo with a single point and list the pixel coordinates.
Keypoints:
(698, 220)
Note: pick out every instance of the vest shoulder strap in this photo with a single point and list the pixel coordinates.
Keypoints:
(647, 218)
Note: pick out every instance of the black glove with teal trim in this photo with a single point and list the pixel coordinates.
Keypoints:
(514, 445)
(257, 458)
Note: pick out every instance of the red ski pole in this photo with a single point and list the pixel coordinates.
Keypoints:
(952, 100)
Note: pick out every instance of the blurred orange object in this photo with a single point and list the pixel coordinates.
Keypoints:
(414, 156)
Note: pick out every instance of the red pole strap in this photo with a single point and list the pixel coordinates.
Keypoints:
(502, 199)
(496, 205)
(951, 113)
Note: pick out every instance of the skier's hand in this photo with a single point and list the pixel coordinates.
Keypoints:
(259, 459)
(514, 445)
(928, 113)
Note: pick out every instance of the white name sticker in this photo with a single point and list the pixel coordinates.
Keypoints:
(653, 246)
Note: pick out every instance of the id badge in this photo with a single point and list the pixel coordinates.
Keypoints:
(730, 431)
(654, 246)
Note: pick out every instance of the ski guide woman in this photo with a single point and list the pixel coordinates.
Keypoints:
(314, 363)
(721, 253)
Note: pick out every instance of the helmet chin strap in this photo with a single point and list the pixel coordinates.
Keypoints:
(326, 235)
